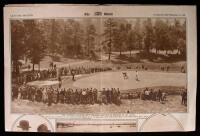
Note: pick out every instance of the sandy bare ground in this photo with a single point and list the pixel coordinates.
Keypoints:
(173, 104)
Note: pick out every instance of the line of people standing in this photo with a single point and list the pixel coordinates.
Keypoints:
(51, 95)
(54, 72)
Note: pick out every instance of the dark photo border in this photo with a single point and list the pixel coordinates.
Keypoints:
(146, 2)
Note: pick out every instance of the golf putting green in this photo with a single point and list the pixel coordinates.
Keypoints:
(146, 79)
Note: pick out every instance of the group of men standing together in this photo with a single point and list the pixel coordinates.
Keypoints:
(69, 96)
(54, 72)
(154, 95)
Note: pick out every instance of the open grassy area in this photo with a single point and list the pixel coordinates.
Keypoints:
(138, 60)
(115, 79)
(150, 75)
(173, 103)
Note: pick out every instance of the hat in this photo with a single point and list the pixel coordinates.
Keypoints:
(24, 124)
(42, 128)
(83, 92)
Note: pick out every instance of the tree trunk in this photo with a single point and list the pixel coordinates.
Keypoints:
(110, 43)
(130, 53)
(88, 52)
(17, 69)
(88, 46)
(109, 53)
(25, 60)
(33, 67)
(147, 48)
(177, 51)
(39, 66)
(74, 47)
(109, 56)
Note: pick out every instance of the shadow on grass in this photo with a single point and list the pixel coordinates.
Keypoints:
(126, 58)
(55, 58)
(118, 62)
(160, 58)
(93, 56)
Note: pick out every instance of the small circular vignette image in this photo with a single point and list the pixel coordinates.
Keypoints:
(32, 123)
(161, 123)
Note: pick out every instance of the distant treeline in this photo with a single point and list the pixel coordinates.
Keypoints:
(33, 39)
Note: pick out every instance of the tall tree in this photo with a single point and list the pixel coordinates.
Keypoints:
(124, 30)
(119, 37)
(181, 36)
(34, 42)
(90, 37)
(77, 37)
(182, 46)
(161, 35)
(17, 43)
(117, 42)
(54, 38)
(177, 36)
(109, 25)
(138, 34)
(149, 35)
(66, 40)
(131, 41)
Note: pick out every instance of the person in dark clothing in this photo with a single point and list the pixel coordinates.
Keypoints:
(151, 95)
(95, 95)
(72, 97)
(55, 96)
(60, 82)
(50, 96)
(73, 75)
(39, 95)
(76, 95)
(159, 95)
(154, 95)
(108, 95)
(118, 97)
(14, 93)
(67, 96)
(184, 97)
(90, 96)
(111, 95)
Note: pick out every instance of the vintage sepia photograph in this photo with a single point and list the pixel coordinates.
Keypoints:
(99, 65)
